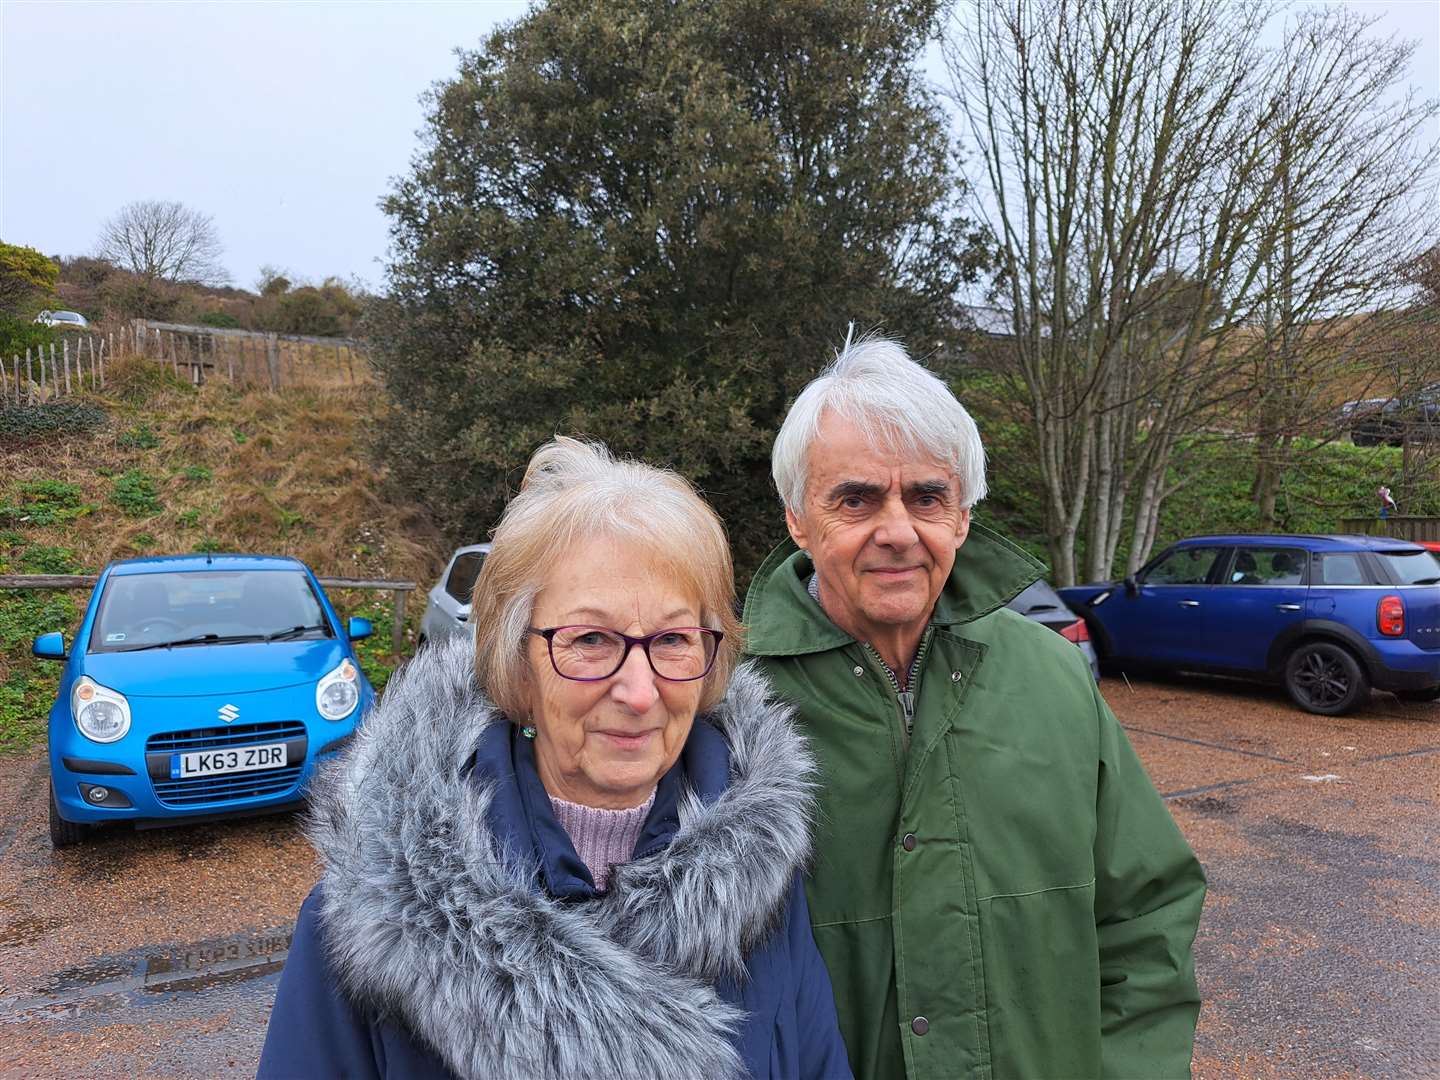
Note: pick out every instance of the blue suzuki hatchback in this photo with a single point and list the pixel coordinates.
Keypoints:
(1327, 616)
(198, 686)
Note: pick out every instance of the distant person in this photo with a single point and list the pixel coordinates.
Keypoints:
(1386, 502)
(591, 867)
(998, 890)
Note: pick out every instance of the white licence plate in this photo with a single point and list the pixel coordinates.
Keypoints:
(238, 759)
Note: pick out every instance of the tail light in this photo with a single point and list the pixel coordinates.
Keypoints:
(1077, 632)
(1390, 616)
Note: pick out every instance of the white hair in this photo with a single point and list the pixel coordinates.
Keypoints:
(895, 402)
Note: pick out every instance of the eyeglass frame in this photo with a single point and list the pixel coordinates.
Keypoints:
(548, 634)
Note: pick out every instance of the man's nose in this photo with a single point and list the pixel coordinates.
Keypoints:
(635, 683)
(894, 528)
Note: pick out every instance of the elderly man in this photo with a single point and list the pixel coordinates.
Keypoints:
(998, 890)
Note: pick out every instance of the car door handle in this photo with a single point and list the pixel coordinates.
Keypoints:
(1287, 607)
(1189, 603)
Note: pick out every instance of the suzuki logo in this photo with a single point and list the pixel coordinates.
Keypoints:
(228, 713)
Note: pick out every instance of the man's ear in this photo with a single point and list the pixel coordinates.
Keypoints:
(796, 526)
(963, 529)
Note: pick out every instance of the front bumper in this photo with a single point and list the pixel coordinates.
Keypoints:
(134, 773)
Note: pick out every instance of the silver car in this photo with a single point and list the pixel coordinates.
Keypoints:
(1041, 603)
(63, 320)
(447, 608)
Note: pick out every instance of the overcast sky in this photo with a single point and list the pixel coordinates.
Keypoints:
(284, 121)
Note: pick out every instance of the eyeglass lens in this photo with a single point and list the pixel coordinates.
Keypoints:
(589, 652)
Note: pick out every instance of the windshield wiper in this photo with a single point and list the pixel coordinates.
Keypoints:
(198, 639)
(294, 631)
(1427, 581)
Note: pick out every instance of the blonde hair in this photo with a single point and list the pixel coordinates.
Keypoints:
(574, 492)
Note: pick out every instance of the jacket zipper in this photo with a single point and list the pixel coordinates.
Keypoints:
(905, 698)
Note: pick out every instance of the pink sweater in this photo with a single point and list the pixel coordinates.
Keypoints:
(602, 838)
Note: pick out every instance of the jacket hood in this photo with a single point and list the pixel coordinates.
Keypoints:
(989, 572)
(429, 918)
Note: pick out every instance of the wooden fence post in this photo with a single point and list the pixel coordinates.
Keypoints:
(15, 370)
(67, 369)
(272, 357)
(30, 379)
(397, 624)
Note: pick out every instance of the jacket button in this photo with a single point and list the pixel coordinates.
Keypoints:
(908, 841)
(919, 1025)
(859, 670)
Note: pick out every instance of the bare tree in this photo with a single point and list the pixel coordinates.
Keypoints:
(1120, 178)
(1132, 156)
(1353, 208)
(164, 241)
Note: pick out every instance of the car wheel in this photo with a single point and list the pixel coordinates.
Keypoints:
(1419, 695)
(63, 833)
(1325, 678)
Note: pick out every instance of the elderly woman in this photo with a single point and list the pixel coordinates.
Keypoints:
(590, 867)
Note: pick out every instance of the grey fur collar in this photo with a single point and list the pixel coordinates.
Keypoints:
(426, 919)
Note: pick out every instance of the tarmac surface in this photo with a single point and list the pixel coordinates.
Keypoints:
(157, 953)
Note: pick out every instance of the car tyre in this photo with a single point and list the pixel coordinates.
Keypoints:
(1324, 678)
(1419, 695)
(63, 833)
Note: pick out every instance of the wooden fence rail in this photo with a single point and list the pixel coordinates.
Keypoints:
(398, 591)
(196, 353)
(1401, 527)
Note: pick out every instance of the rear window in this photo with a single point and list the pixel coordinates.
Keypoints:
(461, 582)
(1412, 567)
(1342, 569)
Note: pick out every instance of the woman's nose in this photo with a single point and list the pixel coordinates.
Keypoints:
(635, 682)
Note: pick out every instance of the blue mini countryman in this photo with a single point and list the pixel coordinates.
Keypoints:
(1328, 617)
(198, 686)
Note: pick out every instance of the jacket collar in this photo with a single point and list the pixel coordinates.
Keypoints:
(781, 618)
(432, 910)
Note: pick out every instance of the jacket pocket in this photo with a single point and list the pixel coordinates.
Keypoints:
(1042, 981)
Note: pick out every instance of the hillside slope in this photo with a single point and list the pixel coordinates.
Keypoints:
(174, 468)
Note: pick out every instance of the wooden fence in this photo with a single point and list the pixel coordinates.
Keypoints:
(1400, 527)
(398, 591)
(197, 354)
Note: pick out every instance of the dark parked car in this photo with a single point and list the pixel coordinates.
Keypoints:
(1389, 420)
(1042, 604)
(1328, 616)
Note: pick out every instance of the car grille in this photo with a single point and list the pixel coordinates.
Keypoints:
(235, 786)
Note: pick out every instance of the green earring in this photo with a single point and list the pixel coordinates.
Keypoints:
(528, 730)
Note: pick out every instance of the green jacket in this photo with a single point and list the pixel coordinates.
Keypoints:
(1010, 876)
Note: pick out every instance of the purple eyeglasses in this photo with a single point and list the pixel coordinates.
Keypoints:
(592, 653)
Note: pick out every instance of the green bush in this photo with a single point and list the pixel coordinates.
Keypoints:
(208, 546)
(139, 438)
(188, 518)
(222, 319)
(43, 559)
(197, 474)
(135, 494)
(44, 502)
(17, 335)
(52, 418)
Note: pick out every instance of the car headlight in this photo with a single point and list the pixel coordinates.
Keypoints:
(337, 694)
(100, 713)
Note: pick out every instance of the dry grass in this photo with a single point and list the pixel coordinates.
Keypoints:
(243, 468)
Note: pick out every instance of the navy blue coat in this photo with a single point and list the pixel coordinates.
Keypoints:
(790, 1028)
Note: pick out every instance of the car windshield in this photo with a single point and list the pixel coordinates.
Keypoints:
(139, 611)
(1412, 567)
(66, 316)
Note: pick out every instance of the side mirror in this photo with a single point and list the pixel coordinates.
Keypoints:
(358, 628)
(49, 647)
(1131, 585)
